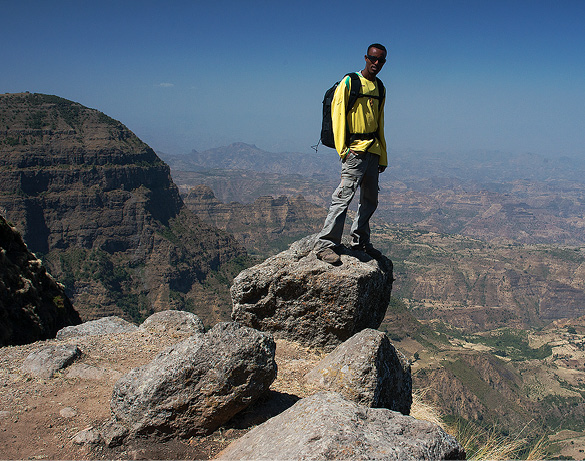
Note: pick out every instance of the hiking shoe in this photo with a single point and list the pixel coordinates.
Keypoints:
(373, 252)
(329, 256)
(369, 250)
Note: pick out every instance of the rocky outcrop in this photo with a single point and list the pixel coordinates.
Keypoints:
(198, 384)
(101, 208)
(174, 322)
(46, 361)
(325, 426)
(368, 370)
(103, 326)
(264, 227)
(298, 297)
(177, 386)
(33, 305)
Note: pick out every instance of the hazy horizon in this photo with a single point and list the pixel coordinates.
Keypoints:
(461, 75)
(405, 152)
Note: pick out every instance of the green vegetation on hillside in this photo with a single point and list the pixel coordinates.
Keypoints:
(511, 343)
(80, 265)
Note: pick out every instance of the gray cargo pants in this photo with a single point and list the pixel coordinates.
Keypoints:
(358, 169)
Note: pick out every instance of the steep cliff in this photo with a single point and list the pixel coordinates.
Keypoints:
(98, 205)
(32, 305)
(266, 226)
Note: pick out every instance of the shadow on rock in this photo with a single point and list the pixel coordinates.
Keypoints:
(269, 405)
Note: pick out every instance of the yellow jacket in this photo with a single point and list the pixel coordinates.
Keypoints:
(367, 116)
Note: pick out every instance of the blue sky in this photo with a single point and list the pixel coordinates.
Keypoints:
(461, 74)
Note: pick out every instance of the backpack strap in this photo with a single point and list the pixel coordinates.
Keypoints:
(354, 94)
(362, 136)
(356, 82)
(356, 86)
(381, 92)
(354, 91)
(381, 89)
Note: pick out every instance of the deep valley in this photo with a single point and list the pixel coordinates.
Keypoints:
(489, 266)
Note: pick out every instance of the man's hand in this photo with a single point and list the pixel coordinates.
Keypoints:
(381, 168)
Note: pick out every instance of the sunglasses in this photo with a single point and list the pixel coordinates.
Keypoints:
(375, 59)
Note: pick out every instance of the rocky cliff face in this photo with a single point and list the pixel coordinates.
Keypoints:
(32, 305)
(482, 388)
(266, 226)
(100, 207)
(479, 286)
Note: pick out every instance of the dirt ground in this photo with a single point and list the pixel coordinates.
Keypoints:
(40, 417)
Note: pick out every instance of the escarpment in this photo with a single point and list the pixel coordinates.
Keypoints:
(99, 207)
(266, 226)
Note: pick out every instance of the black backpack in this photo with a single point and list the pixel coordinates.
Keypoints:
(354, 93)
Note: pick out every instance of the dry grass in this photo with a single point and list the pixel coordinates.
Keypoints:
(540, 449)
(294, 362)
(487, 445)
(423, 410)
(478, 443)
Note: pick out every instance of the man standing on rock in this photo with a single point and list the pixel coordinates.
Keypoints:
(359, 140)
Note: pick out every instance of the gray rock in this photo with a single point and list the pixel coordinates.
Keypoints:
(88, 436)
(368, 370)
(113, 433)
(68, 412)
(172, 321)
(45, 362)
(297, 297)
(103, 326)
(325, 426)
(196, 385)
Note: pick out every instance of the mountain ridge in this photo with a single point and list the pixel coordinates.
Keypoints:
(474, 165)
(496, 197)
(99, 206)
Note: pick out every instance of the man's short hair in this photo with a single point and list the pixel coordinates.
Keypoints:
(377, 45)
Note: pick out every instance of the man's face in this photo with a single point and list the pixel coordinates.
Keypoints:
(375, 60)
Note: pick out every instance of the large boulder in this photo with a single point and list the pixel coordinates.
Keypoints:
(368, 370)
(325, 426)
(296, 296)
(103, 326)
(195, 386)
(48, 360)
(174, 322)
